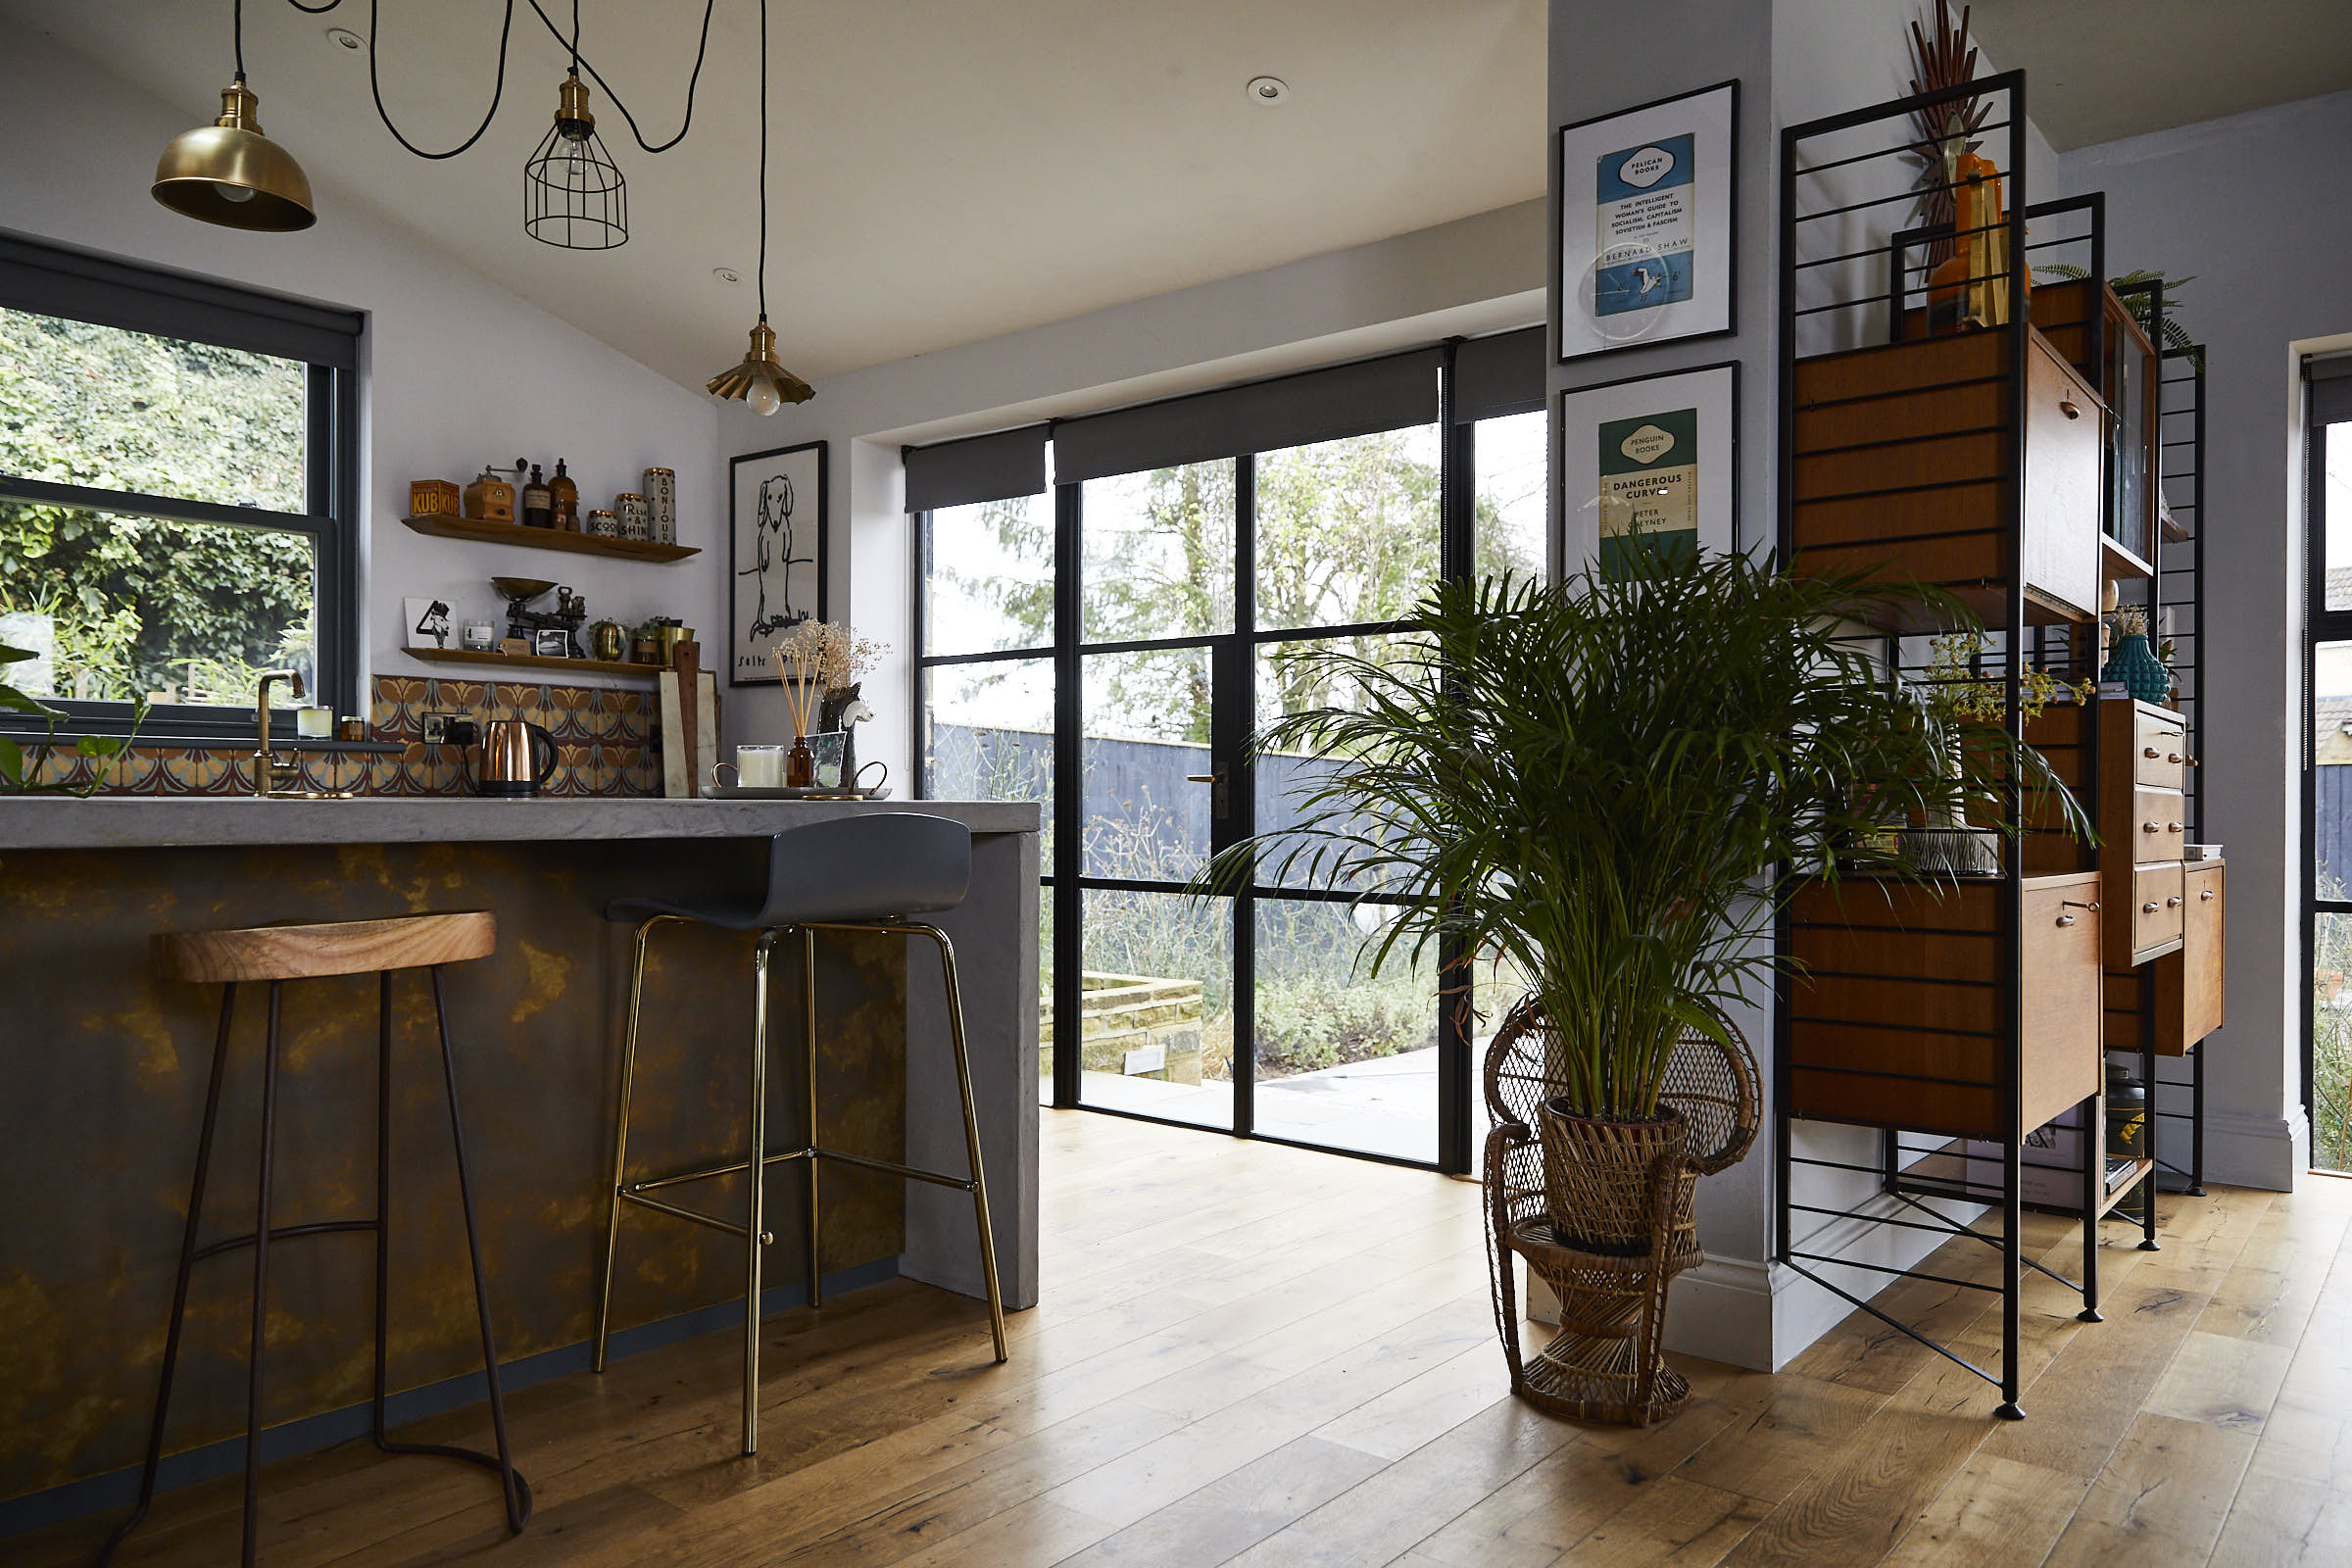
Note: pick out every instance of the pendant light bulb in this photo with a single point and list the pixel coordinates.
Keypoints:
(227, 172)
(760, 380)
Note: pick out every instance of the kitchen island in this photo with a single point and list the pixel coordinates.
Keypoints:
(105, 1069)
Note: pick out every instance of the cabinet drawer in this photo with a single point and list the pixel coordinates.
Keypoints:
(2157, 830)
(2158, 751)
(2062, 996)
(2156, 899)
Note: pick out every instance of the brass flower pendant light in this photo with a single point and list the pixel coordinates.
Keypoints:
(760, 380)
(227, 172)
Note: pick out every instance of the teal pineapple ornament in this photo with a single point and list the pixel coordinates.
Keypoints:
(2132, 664)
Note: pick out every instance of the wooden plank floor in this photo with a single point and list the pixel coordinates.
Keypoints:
(1256, 1356)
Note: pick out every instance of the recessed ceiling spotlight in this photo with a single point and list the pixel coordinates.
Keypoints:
(344, 37)
(726, 275)
(1268, 89)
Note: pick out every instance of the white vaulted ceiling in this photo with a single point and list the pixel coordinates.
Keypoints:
(942, 171)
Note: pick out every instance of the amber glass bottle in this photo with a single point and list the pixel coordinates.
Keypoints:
(565, 497)
(535, 513)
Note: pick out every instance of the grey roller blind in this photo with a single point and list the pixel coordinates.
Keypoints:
(1497, 375)
(981, 468)
(2331, 389)
(50, 280)
(1291, 411)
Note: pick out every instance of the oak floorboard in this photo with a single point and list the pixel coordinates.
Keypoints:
(1289, 1363)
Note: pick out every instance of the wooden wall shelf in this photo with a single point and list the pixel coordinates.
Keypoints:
(481, 532)
(647, 673)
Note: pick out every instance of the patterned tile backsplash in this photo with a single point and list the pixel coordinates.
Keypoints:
(604, 746)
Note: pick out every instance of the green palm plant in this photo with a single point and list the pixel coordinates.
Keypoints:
(1616, 785)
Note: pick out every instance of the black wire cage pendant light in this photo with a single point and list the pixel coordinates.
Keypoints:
(573, 194)
(759, 379)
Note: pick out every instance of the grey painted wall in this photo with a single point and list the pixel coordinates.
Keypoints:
(2252, 206)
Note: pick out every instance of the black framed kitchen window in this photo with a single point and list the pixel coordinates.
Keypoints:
(178, 492)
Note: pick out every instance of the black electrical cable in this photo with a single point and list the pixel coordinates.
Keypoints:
(763, 162)
(375, 85)
(692, 81)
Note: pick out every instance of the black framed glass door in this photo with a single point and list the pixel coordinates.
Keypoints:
(1108, 645)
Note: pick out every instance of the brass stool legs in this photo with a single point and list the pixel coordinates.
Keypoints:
(755, 1160)
(516, 1489)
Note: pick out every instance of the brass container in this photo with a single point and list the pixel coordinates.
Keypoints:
(645, 651)
(608, 642)
(670, 637)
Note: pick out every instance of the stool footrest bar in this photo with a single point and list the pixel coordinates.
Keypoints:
(676, 1213)
(961, 1183)
(279, 1232)
(711, 1173)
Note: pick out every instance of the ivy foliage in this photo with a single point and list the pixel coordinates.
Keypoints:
(134, 600)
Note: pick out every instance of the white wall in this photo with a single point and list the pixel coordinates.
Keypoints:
(2252, 206)
(459, 371)
(1478, 274)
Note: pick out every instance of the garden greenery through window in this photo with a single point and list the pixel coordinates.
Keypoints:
(172, 517)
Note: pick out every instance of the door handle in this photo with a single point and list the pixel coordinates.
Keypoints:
(1220, 796)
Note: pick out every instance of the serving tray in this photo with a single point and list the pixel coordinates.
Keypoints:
(800, 792)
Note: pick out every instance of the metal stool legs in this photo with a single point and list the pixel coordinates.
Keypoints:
(517, 1491)
(755, 1160)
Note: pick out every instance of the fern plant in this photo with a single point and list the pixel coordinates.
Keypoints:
(1615, 785)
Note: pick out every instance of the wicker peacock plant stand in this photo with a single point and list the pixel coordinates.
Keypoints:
(1604, 1362)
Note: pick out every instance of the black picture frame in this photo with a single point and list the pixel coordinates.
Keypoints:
(1575, 419)
(1564, 294)
(749, 636)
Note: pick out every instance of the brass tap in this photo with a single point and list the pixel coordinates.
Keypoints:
(269, 767)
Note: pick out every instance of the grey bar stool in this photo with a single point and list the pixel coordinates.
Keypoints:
(860, 873)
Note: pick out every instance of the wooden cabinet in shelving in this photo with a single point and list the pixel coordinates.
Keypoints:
(2177, 996)
(1898, 1018)
(1900, 461)
(2124, 365)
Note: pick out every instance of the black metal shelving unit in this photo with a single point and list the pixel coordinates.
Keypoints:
(1839, 175)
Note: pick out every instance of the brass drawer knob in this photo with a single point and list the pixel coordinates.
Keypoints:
(2149, 907)
(2150, 752)
(2068, 406)
(2172, 827)
(2066, 919)
(2205, 893)
(2172, 904)
(2171, 756)
(2147, 827)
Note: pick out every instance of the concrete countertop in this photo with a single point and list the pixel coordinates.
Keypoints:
(49, 822)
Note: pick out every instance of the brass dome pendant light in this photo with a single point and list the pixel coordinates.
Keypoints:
(760, 380)
(574, 195)
(227, 172)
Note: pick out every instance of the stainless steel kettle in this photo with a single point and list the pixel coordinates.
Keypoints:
(514, 759)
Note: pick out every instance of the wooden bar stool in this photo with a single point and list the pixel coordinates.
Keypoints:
(280, 954)
(861, 874)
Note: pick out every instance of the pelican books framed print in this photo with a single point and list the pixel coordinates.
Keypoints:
(1645, 223)
(777, 555)
(1651, 469)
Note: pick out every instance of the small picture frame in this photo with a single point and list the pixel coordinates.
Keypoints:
(1646, 240)
(427, 623)
(1650, 465)
(552, 642)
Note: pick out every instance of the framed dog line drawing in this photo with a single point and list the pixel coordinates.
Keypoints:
(778, 503)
